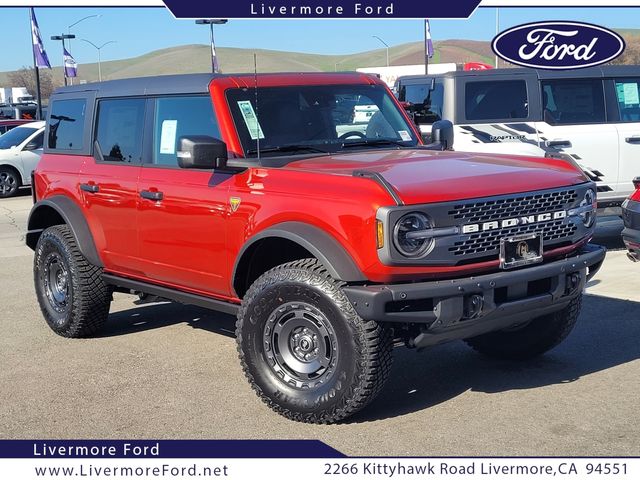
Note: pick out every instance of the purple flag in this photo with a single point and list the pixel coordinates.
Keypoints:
(427, 38)
(70, 65)
(39, 54)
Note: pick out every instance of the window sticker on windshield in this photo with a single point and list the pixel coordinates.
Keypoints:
(168, 137)
(250, 119)
(631, 95)
(404, 135)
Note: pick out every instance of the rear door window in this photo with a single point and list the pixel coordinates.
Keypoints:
(66, 124)
(628, 96)
(496, 100)
(120, 129)
(573, 101)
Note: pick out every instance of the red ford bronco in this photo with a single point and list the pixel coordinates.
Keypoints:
(331, 236)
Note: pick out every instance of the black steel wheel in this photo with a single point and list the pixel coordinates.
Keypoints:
(73, 297)
(304, 349)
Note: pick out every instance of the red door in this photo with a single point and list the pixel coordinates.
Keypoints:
(108, 182)
(182, 213)
(110, 197)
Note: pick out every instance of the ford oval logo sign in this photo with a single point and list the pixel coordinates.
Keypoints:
(558, 45)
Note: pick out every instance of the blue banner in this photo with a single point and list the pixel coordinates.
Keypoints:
(166, 449)
(322, 9)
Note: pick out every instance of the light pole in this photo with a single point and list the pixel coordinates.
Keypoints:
(497, 29)
(211, 22)
(98, 48)
(62, 38)
(385, 45)
(76, 23)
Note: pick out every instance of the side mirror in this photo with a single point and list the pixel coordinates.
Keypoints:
(32, 146)
(442, 133)
(201, 151)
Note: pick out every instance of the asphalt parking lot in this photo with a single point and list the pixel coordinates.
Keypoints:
(170, 371)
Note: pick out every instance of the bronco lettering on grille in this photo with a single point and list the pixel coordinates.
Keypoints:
(514, 222)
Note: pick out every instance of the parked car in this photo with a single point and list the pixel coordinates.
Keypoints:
(631, 217)
(588, 116)
(237, 193)
(6, 125)
(20, 152)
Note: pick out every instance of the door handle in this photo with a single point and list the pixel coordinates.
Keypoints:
(632, 140)
(149, 195)
(559, 143)
(89, 187)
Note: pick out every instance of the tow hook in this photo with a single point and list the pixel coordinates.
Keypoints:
(573, 283)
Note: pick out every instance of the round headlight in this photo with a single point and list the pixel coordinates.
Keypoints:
(589, 199)
(410, 245)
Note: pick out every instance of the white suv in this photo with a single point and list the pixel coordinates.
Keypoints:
(20, 152)
(588, 116)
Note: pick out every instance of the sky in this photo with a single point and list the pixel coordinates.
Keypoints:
(140, 30)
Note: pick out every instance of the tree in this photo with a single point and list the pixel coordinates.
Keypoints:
(26, 77)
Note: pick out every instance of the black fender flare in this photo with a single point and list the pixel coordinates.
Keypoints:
(72, 215)
(319, 243)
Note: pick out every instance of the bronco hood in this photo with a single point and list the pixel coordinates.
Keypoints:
(422, 176)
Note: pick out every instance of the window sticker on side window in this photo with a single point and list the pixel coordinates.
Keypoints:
(250, 119)
(631, 95)
(168, 137)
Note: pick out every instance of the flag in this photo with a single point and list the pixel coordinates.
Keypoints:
(427, 38)
(39, 54)
(70, 65)
(214, 59)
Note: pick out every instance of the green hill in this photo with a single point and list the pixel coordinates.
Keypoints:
(195, 58)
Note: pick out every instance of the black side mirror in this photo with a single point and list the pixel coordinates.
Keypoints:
(442, 133)
(201, 151)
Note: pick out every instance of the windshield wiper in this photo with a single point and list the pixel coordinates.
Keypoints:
(373, 142)
(288, 148)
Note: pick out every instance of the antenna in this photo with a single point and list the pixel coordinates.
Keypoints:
(255, 84)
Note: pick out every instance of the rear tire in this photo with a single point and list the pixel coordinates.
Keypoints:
(71, 292)
(535, 338)
(9, 182)
(304, 349)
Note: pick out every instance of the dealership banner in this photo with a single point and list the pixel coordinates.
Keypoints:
(273, 459)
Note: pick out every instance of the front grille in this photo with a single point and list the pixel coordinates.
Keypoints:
(531, 204)
(489, 242)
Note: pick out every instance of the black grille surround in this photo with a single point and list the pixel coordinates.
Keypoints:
(482, 246)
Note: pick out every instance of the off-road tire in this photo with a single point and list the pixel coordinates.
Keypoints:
(363, 358)
(535, 338)
(86, 305)
(10, 182)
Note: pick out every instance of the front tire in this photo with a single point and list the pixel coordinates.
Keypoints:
(304, 349)
(71, 292)
(533, 339)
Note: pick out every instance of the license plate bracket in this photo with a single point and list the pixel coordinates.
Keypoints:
(520, 250)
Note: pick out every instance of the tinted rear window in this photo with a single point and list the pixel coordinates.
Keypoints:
(573, 101)
(506, 99)
(66, 124)
(120, 129)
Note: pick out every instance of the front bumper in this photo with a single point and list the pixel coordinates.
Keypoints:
(631, 232)
(462, 308)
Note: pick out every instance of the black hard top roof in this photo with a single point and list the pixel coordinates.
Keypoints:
(164, 84)
(191, 83)
(602, 71)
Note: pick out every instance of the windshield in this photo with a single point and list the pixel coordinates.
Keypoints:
(326, 118)
(15, 137)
